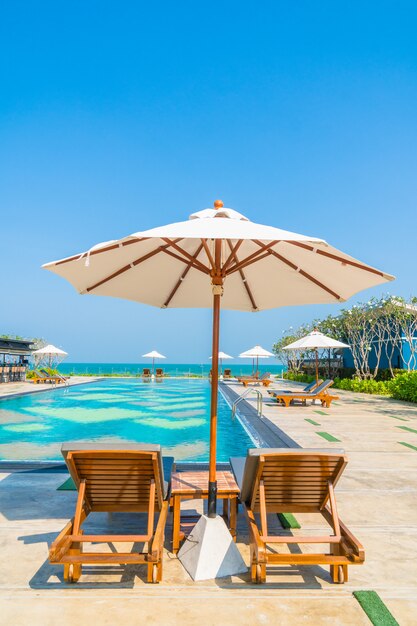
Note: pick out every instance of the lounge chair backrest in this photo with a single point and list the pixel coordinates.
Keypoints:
(312, 386)
(159, 371)
(294, 479)
(146, 371)
(227, 372)
(115, 477)
(325, 385)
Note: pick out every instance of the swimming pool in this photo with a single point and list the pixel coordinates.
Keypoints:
(173, 413)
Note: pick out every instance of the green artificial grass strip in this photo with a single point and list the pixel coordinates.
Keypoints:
(68, 485)
(410, 430)
(375, 608)
(321, 412)
(408, 445)
(394, 417)
(327, 436)
(288, 520)
(312, 421)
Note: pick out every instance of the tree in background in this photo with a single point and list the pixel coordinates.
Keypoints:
(372, 329)
(293, 359)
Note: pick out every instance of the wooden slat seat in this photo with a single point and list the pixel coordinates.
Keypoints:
(321, 393)
(111, 479)
(286, 480)
(264, 380)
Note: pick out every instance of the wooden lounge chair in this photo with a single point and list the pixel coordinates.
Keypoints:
(289, 480)
(109, 478)
(254, 380)
(146, 373)
(43, 377)
(307, 389)
(159, 372)
(56, 377)
(320, 393)
(227, 373)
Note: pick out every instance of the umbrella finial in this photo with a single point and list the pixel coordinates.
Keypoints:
(218, 204)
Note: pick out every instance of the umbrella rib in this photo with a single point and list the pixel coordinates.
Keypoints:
(335, 257)
(252, 258)
(243, 277)
(205, 269)
(191, 261)
(127, 267)
(299, 270)
(207, 251)
(232, 254)
(183, 275)
(106, 249)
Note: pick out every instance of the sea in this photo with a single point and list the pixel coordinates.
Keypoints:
(170, 369)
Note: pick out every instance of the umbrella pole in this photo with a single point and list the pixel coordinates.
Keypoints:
(217, 285)
(317, 366)
(212, 494)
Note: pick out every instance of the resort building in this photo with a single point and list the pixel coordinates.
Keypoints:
(14, 359)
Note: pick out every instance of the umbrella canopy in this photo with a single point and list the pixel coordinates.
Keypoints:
(315, 341)
(218, 258)
(223, 355)
(257, 352)
(50, 354)
(154, 355)
(50, 350)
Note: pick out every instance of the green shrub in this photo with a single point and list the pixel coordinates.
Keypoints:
(363, 386)
(404, 387)
(301, 378)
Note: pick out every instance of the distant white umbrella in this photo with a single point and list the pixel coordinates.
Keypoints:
(223, 355)
(316, 341)
(257, 352)
(218, 258)
(154, 355)
(51, 354)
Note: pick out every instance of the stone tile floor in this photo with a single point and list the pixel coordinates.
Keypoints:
(376, 499)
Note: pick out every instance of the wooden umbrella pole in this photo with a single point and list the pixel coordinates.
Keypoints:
(317, 366)
(217, 282)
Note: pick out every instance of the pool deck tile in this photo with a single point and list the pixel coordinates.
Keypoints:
(376, 497)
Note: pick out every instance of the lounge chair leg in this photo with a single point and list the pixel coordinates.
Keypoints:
(73, 571)
(261, 573)
(339, 574)
(154, 572)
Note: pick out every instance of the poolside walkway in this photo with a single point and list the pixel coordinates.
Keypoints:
(7, 390)
(376, 497)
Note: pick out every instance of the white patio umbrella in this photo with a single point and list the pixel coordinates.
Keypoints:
(154, 355)
(257, 352)
(316, 341)
(51, 354)
(222, 355)
(218, 258)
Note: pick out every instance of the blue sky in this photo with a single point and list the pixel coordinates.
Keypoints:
(116, 117)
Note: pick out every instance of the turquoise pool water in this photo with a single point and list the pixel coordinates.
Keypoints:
(173, 413)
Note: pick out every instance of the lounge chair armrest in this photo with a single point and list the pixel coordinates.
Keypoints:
(349, 541)
(257, 544)
(156, 544)
(61, 544)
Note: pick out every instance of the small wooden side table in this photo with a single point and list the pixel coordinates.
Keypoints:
(194, 485)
